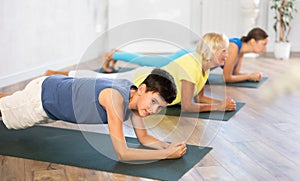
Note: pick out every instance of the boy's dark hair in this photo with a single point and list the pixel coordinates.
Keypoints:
(162, 82)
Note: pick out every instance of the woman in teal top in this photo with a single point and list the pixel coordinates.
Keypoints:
(255, 42)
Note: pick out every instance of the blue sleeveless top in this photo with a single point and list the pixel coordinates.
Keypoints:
(239, 43)
(76, 99)
(236, 41)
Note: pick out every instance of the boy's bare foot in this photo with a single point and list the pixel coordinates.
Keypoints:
(54, 72)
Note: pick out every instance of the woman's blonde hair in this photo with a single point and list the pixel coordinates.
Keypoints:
(210, 43)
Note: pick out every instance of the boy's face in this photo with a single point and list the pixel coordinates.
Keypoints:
(150, 103)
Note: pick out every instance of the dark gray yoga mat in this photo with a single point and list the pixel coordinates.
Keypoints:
(70, 147)
(217, 79)
(214, 115)
(121, 69)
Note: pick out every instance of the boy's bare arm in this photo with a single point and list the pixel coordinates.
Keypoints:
(114, 109)
(143, 136)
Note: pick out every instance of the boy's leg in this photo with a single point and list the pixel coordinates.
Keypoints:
(54, 72)
(4, 95)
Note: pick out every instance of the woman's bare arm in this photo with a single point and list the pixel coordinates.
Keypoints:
(207, 104)
(232, 73)
(201, 98)
(229, 74)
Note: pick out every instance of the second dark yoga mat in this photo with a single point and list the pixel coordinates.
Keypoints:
(213, 79)
(217, 79)
(215, 115)
(121, 69)
(70, 147)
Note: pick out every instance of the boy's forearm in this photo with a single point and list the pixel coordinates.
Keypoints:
(152, 142)
(132, 154)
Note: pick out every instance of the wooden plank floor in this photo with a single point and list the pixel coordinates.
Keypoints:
(259, 143)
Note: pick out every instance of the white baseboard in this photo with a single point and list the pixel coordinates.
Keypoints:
(33, 72)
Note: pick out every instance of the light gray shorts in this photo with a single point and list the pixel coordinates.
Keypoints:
(24, 108)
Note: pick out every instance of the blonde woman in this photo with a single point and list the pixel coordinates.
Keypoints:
(190, 73)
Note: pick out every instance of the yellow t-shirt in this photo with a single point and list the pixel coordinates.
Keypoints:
(187, 67)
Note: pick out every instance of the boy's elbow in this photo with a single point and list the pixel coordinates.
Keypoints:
(121, 156)
(142, 140)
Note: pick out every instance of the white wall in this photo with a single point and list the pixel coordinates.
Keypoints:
(122, 12)
(201, 16)
(221, 16)
(36, 35)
